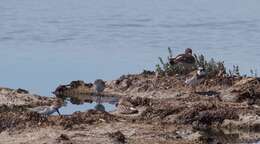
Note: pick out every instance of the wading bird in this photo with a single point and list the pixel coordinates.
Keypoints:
(196, 79)
(47, 110)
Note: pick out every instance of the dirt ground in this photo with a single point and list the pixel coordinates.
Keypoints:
(222, 110)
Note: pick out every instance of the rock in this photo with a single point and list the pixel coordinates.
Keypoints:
(21, 97)
(22, 91)
(125, 84)
(63, 137)
(5, 90)
(147, 72)
(206, 114)
(117, 137)
(60, 89)
(245, 122)
(74, 88)
(76, 84)
(247, 89)
(227, 96)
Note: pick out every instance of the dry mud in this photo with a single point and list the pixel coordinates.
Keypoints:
(222, 110)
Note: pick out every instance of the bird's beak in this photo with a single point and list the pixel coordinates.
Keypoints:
(58, 111)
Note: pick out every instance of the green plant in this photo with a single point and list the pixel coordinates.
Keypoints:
(253, 72)
(170, 53)
(235, 71)
(159, 69)
(212, 67)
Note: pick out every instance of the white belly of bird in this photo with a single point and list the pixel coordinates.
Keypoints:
(193, 81)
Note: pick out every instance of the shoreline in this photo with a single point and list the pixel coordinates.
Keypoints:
(168, 112)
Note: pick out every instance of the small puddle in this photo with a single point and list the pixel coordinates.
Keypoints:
(83, 103)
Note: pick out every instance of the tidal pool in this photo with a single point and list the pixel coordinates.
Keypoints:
(86, 102)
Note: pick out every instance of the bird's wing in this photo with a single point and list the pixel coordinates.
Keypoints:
(37, 109)
(191, 80)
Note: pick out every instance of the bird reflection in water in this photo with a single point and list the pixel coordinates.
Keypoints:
(100, 107)
(99, 87)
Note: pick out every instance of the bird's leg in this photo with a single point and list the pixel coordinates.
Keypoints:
(58, 112)
(99, 99)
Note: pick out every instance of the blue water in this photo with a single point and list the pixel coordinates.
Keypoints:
(71, 108)
(83, 103)
(44, 43)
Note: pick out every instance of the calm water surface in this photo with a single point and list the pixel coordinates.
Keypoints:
(44, 43)
(85, 102)
(71, 108)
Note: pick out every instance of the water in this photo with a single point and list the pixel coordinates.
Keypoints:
(82, 102)
(44, 43)
(71, 108)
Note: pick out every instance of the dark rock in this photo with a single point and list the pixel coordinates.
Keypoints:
(63, 137)
(117, 136)
(75, 84)
(22, 91)
(147, 72)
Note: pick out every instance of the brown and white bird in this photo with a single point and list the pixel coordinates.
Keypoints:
(125, 107)
(186, 58)
(196, 79)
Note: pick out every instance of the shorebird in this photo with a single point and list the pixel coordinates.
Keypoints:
(125, 107)
(196, 79)
(186, 58)
(99, 85)
(46, 110)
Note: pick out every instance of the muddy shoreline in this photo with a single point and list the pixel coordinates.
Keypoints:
(168, 112)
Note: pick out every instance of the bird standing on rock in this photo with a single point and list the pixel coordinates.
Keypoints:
(99, 85)
(196, 79)
(186, 61)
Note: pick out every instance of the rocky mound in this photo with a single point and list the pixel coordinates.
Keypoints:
(22, 97)
(75, 87)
